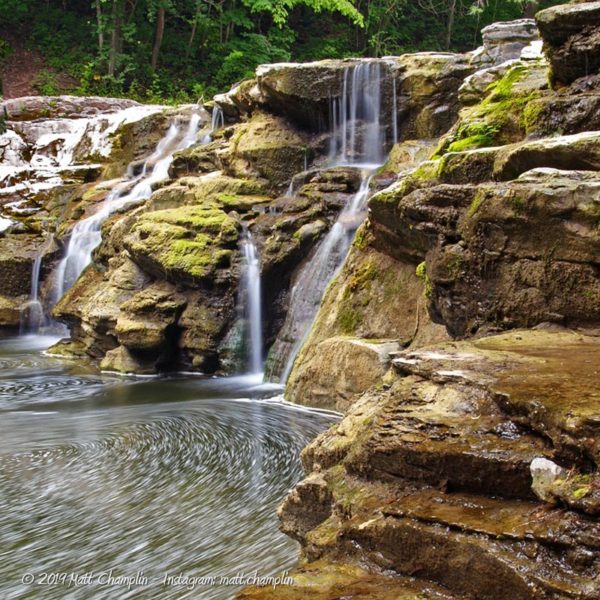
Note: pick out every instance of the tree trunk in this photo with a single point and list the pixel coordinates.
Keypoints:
(115, 38)
(450, 26)
(160, 29)
(194, 28)
(530, 9)
(100, 27)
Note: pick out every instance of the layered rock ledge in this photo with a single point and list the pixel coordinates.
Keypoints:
(430, 476)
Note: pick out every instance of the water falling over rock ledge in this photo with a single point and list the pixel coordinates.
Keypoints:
(459, 335)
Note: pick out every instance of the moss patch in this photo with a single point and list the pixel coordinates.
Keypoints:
(188, 242)
(504, 116)
(474, 135)
(421, 273)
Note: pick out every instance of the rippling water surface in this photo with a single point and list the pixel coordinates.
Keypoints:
(151, 478)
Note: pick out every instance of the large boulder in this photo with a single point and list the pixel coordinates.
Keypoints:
(268, 147)
(504, 41)
(571, 34)
(189, 244)
(427, 85)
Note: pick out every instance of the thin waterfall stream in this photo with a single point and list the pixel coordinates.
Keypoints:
(33, 318)
(328, 258)
(251, 297)
(358, 139)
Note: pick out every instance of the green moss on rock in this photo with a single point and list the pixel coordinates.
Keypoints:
(189, 242)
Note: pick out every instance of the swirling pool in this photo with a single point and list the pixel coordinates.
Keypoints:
(169, 481)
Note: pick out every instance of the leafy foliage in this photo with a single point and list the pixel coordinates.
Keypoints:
(177, 50)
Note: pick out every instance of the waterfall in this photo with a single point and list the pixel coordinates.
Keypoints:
(250, 300)
(312, 281)
(86, 234)
(358, 139)
(33, 317)
(217, 122)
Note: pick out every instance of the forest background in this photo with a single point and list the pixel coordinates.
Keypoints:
(184, 50)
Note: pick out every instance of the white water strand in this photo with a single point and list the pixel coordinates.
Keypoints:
(308, 290)
(86, 234)
(217, 122)
(358, 137)
(250, 294)
(33, 317)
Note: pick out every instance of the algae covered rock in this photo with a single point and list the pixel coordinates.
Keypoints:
(375, 305)
(268, 147)
(188, 244)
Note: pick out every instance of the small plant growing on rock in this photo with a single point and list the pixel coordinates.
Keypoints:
(421, 273)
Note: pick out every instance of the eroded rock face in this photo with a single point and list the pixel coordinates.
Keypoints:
(500, 254)
(571, 34)
(429, 474)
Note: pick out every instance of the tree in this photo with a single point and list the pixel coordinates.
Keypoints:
(158, 36)
(116, 37)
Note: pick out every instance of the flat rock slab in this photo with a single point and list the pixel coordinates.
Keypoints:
(37, 107)
(548, 380)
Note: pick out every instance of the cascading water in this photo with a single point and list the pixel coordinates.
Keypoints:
(217, 122)
(36, 155)
(358, 136)
(310, 286)
(250, 300)
(358, 140)
(86, 234)
(33, 317)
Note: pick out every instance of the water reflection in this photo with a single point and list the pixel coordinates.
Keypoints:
(176, 476)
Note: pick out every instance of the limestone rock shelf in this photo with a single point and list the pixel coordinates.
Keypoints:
(429, 476)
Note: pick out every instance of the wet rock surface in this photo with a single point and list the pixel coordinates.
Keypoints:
(429, 474)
